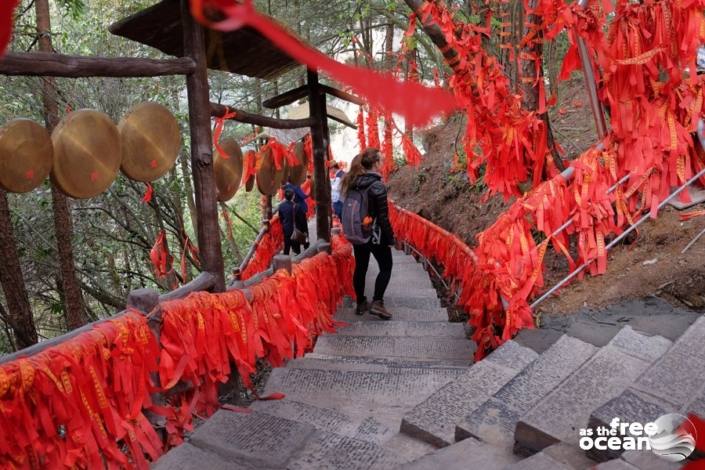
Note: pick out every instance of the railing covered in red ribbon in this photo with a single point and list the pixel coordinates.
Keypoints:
(266, 246)
(84, 402)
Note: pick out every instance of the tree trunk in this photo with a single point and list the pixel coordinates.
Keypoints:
(19, 317)
(73, 301)
(529, 86)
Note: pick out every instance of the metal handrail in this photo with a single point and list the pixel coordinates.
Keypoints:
(614, 242)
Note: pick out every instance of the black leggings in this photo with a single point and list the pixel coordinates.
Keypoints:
(383, 255)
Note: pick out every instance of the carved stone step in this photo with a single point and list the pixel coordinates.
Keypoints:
(467, 454)
(383, 361)
(190, 457)
(435, 419)
(364, 428)
(556, 457)
(398, 314)
(384, 392)
(494, 421)
(560, 414)
(260, 440)
(404, 328)
(672, 384)
(428, 348)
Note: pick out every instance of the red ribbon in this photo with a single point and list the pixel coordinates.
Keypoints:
(416, 103)
(218, 131)
(7, 8)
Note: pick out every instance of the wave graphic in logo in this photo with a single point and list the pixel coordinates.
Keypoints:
(674, 439)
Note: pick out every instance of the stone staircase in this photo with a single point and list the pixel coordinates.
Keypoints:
(404, 394)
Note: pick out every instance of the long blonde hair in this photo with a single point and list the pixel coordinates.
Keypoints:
(360, 165)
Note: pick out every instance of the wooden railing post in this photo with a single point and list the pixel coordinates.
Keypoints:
(282, 262)
(201, 150)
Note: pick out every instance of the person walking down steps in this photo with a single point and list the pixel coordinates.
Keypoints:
(294, 225)
(366, 225)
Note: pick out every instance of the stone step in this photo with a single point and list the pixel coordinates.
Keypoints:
(402, 275)
(541, 461)
(560, 414)
(384, 361)
(672, 384)
(364, 428)
(406, 290)
(433, 314)
(404, 328)
(427, 348)
(382, 391)
(558, 456)
(467, 454)
(408, 448)
(411, 301)
(495, 420)
(260, 440)
(190, 457)
(435, 419)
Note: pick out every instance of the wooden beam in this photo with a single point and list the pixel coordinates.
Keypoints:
(317, 106)
(201, 150)
(59, 65)
(352, 126)
(218, 110)
(286, 97)
(342, 95)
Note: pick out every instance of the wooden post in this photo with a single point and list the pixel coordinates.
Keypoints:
(282, 262)
(201, 150)
(316, 104)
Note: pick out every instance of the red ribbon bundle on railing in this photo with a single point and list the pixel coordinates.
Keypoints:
(81, 404)
(270, 244)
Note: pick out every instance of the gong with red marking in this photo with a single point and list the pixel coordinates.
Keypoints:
(150, 141)
(26, 154)
(87, 153)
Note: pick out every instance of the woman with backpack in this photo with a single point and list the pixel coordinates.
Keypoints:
(365, 218)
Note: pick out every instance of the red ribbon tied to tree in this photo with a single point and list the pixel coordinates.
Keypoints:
(7, 8)
(160, 257)
(417, 103)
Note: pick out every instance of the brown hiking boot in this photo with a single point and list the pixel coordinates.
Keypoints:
(377, 308)
(362, 308)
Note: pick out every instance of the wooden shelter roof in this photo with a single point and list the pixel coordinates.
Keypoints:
(244, 51)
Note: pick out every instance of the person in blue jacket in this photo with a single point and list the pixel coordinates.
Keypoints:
(292, 215)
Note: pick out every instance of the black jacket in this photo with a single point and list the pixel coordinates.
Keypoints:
(377, 203)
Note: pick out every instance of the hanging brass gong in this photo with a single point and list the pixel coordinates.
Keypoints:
(228, 169)
(86, 153)
(26, 155)
(151, 141)
(269, 179)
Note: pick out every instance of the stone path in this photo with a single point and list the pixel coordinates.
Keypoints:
(403, 394)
